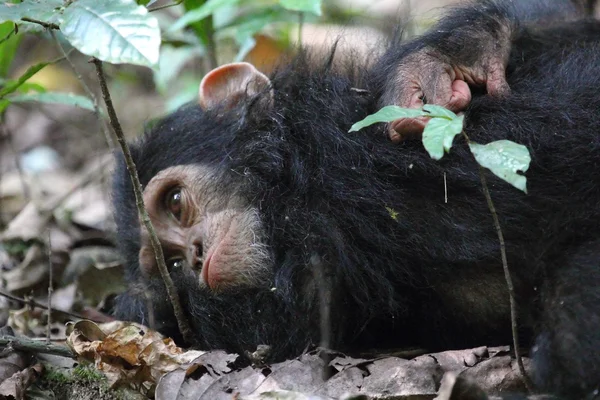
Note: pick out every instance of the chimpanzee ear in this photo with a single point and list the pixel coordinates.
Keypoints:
(231, 84)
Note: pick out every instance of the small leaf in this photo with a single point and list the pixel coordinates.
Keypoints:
(393, 213)
(116, 31)
(202, 12)
(504, 158)
(388, 114)
(310, 6)
(439, 111)
(11, 86)
(439, 134)
(54, 98)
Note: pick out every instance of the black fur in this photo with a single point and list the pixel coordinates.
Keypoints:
(432, 276)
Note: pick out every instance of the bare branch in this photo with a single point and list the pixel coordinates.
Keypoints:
(182, 322)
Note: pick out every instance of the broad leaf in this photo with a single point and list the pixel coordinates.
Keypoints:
(311, 6)
(41, 10)
(439, 111)
(439, 134)
(388, 114)
(504, 158)
(54, 98)
(202, 12)
(116, 31)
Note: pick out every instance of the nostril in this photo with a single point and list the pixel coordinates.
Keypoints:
(195, 253)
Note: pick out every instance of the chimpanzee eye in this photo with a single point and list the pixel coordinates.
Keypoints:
(173, 203)
(174, 262)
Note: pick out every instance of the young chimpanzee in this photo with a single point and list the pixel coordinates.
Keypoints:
(265, 204)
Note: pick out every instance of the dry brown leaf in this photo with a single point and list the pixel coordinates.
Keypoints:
(15, 386)
(129, 354)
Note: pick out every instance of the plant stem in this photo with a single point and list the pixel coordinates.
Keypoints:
(46, 25)
(35, 346)
(182, 322)
(507, 275)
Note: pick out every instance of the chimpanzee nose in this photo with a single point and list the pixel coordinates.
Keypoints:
(194, 256)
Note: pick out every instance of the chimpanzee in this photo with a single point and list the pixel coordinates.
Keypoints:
(266, 207)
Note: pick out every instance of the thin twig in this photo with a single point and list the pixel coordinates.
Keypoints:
(47, 25)
(178, 2)
(323, 279)
(33, 303)
(182, 322)
(88, 91)
(507, 275)
(35, 346)
(50, 288)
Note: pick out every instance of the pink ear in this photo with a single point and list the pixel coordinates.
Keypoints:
(232, 83)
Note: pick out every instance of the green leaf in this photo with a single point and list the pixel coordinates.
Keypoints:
(41, 10)
(388, 114)
(439, 111)
(116, 31)
(248, 25)
(54, 98)
(504, 158)
(9, 42)
(11, 86)
(439, 134)
(172, 59)
(202, 12)
(310, 6)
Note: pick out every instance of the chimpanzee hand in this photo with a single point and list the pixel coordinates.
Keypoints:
(468, 48)
(428, 77)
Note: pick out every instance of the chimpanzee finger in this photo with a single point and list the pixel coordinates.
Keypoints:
(440, 90)
(406, 128)
(496, 84)
(401, 129)
(460, 98)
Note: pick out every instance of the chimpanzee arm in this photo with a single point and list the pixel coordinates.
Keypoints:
(468, 47)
